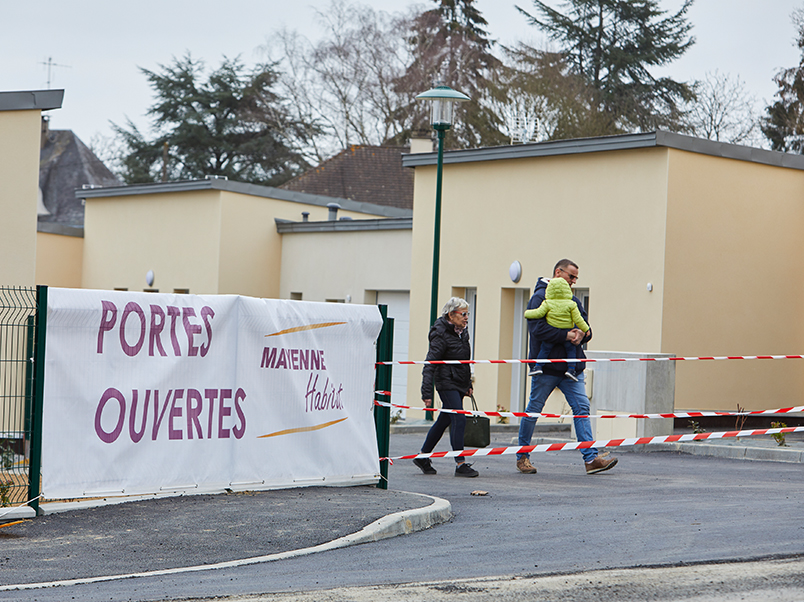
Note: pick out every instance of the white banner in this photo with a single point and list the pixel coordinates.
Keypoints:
(150, 392)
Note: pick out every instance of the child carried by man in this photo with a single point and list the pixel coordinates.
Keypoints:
(560, 311)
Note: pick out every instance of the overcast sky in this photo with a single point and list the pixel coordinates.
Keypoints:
(97, 47)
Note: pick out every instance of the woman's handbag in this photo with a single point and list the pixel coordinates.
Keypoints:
(478, 429)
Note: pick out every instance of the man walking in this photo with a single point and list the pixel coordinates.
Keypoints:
(553, 375)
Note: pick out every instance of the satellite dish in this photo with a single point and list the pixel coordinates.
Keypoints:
(149, 277)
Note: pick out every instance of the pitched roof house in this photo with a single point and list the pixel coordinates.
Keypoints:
(66, 164)
(368, 174)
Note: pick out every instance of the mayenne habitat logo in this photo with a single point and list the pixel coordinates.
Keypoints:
(321, 394)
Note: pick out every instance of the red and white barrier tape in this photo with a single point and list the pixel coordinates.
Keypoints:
(544, 415)
(593, 360)
(545, 447)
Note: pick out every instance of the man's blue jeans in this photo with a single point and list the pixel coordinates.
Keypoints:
(575, 393)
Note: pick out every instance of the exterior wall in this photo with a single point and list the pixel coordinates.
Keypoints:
(334, 265)
(605, 211)
(251, 248)
(59, 260)
(733, 278)
(19, 174)
(176, 235)
(207, 241)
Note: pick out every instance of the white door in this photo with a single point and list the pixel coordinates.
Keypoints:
(519, 382)
(471, 299)
(399, 309)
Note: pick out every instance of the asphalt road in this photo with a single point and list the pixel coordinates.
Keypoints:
(653, 510)
(779, 581)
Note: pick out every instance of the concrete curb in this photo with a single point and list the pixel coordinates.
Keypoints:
(16, 513)
(399, 523)
(402, 523)
(735, 452)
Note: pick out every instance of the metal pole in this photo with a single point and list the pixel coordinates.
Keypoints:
(442, 130)
(30, 334)
(437, 227)
(35, 466)
(382, 415)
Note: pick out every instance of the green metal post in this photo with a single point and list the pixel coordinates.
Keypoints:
(441, 128)
(437, 227)
(35, 465)
(382, 382)
(30, 333)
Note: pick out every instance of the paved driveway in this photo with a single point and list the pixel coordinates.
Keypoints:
(653, 509)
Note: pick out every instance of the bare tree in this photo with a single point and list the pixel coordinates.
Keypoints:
(723, 110)
(109, 151)
(342, 84)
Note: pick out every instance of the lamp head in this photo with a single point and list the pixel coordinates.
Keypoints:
(441, 104)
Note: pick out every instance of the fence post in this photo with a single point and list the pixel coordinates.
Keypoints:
(35, 466)
(382, 382)
(30, 333)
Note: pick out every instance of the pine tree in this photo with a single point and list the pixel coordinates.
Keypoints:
(613, 45)
(783, 124)
(450, 46)
(542, 89)
(231, 124)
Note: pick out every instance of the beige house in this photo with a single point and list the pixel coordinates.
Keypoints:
(20, 119)
(685, 246)
(207, 236)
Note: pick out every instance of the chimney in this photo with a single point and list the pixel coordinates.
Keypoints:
(333, 211)
(421, 141)
(305, 216)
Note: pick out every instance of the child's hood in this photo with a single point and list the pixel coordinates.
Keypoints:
(558, 288)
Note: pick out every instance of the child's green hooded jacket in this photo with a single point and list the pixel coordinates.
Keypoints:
(558, 307)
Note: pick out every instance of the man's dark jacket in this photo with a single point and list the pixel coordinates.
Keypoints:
(540, 330)
(445, 344)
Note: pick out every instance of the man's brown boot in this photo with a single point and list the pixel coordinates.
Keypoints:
(524, 465)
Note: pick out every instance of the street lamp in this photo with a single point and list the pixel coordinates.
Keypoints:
(442, 99)
(441, 110)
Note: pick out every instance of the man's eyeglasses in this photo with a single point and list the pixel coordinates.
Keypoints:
(462, 313)
(572, 277)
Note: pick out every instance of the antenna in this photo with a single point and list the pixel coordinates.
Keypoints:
(50, 64)
(521, 119)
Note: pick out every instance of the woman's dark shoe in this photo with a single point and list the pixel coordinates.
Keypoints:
(425, 465)
(465, 470)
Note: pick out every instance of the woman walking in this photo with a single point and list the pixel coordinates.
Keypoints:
(449, 340)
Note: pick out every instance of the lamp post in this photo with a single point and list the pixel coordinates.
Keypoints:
(441, 112)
